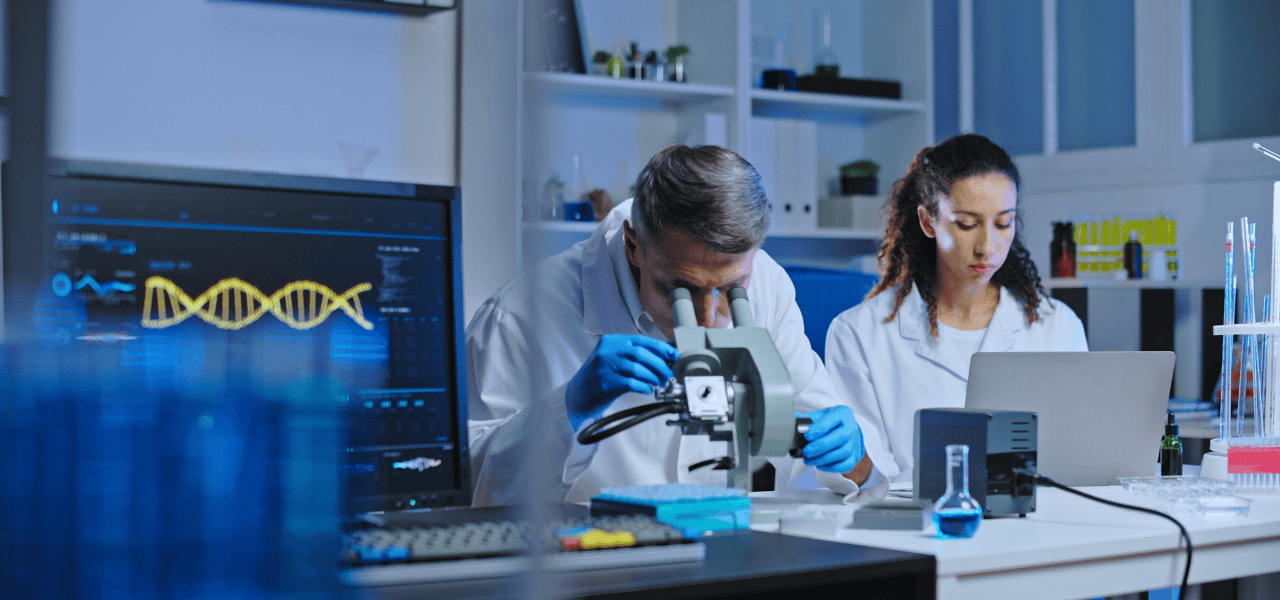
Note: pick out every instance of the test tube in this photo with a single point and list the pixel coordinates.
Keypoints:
(1246, 316)
(1262, 379)
(1228, 318)
(1251, 306)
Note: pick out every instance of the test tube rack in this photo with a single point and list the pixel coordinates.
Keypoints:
(1253, 462)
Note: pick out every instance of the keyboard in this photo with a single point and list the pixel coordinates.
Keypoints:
(415, 553)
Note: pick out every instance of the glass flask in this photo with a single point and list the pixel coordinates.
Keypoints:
(957, 514)
(826, 65)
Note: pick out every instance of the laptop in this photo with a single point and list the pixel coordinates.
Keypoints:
(1101, 414)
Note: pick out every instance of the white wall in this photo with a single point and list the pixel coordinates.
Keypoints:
(489, 146)
(250, 85)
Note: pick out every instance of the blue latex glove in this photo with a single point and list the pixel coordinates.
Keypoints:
(619, 364)
(834, 440)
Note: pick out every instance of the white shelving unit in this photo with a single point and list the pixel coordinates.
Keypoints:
(610, 127)
(832, 105)
(1111, 283)
(574, 85)
(585, 228)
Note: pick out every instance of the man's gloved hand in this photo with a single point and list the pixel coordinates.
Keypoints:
(619, 364)
(834, 440)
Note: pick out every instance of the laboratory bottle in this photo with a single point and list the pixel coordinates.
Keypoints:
(1062, 251)
(1082, 239)
(957, 514)
(1133, 256)
(826, 65)
(1118, 236)
(1171, 449)
(1105, 239)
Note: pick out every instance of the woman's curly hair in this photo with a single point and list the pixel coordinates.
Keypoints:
(907, 255)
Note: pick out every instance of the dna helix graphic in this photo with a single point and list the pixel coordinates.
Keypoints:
(419, 464)
(234, 303)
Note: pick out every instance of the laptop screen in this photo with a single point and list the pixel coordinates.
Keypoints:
(1101, 414)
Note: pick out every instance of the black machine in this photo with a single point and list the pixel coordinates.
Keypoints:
(1002, 456)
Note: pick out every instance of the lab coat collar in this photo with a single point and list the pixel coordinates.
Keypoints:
(610, 301)
(1007, 324)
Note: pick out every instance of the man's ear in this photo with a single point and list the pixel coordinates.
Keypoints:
(926, 225)
(631, 243)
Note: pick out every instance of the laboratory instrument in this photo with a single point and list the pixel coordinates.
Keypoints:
(730, 385)
(957, 514)
(1264, 150)
(1228, 318)
(1002, 443)
(1252, 461)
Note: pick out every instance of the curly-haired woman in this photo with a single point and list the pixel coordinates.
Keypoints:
(956, 280)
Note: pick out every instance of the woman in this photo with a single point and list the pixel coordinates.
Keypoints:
(956, 280)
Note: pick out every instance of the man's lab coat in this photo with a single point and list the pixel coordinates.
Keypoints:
(888, 371)
(528, 340)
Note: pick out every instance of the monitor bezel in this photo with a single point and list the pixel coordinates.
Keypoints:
(450, 196)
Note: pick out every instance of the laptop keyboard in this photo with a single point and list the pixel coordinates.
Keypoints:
(432, 552)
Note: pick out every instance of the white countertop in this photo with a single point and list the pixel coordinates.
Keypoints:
(1074, 546)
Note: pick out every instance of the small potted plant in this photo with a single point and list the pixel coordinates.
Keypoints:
(675, 57)
(858, 177)
(600, 61)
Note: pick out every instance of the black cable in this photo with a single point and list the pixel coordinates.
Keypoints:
(1042, 480)
(638, 414)
(720, 463)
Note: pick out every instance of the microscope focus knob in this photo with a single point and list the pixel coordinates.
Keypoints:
(797, 446)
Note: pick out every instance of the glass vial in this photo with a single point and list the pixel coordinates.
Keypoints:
(957, 514)
(826, 65)
(1171, 449)
(1133, 256)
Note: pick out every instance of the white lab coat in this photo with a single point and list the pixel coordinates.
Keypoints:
(888, 371)
(528, 340)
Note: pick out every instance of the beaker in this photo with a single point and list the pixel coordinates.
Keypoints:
(957, 514)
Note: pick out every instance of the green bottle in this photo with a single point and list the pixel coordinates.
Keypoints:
(1170, 449)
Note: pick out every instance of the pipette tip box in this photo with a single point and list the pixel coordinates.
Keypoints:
(693, 508)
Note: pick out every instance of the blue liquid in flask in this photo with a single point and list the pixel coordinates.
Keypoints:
(956, 524)
(957, 514)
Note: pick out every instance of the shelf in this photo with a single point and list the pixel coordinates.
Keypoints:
(1107, 282)
(582, 227)
(1247, 328)
(830, 105)
(587, 227)
(599, 85)
(829, 234)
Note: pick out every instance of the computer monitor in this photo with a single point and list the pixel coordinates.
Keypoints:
(171, 266)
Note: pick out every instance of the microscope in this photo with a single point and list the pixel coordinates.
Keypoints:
(730, 385)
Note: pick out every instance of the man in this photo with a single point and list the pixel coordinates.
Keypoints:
(585, 333)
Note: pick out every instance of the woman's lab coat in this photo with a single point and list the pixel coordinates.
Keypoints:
(888, 371)
(528, 340)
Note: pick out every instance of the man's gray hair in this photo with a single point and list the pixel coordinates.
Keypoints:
(708, 191)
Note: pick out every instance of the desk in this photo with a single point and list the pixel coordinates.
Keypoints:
(739, 564)
(1075, 548)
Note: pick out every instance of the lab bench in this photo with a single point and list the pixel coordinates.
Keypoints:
(1070, 547)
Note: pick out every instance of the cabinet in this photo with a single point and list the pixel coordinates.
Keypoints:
(593, 131)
